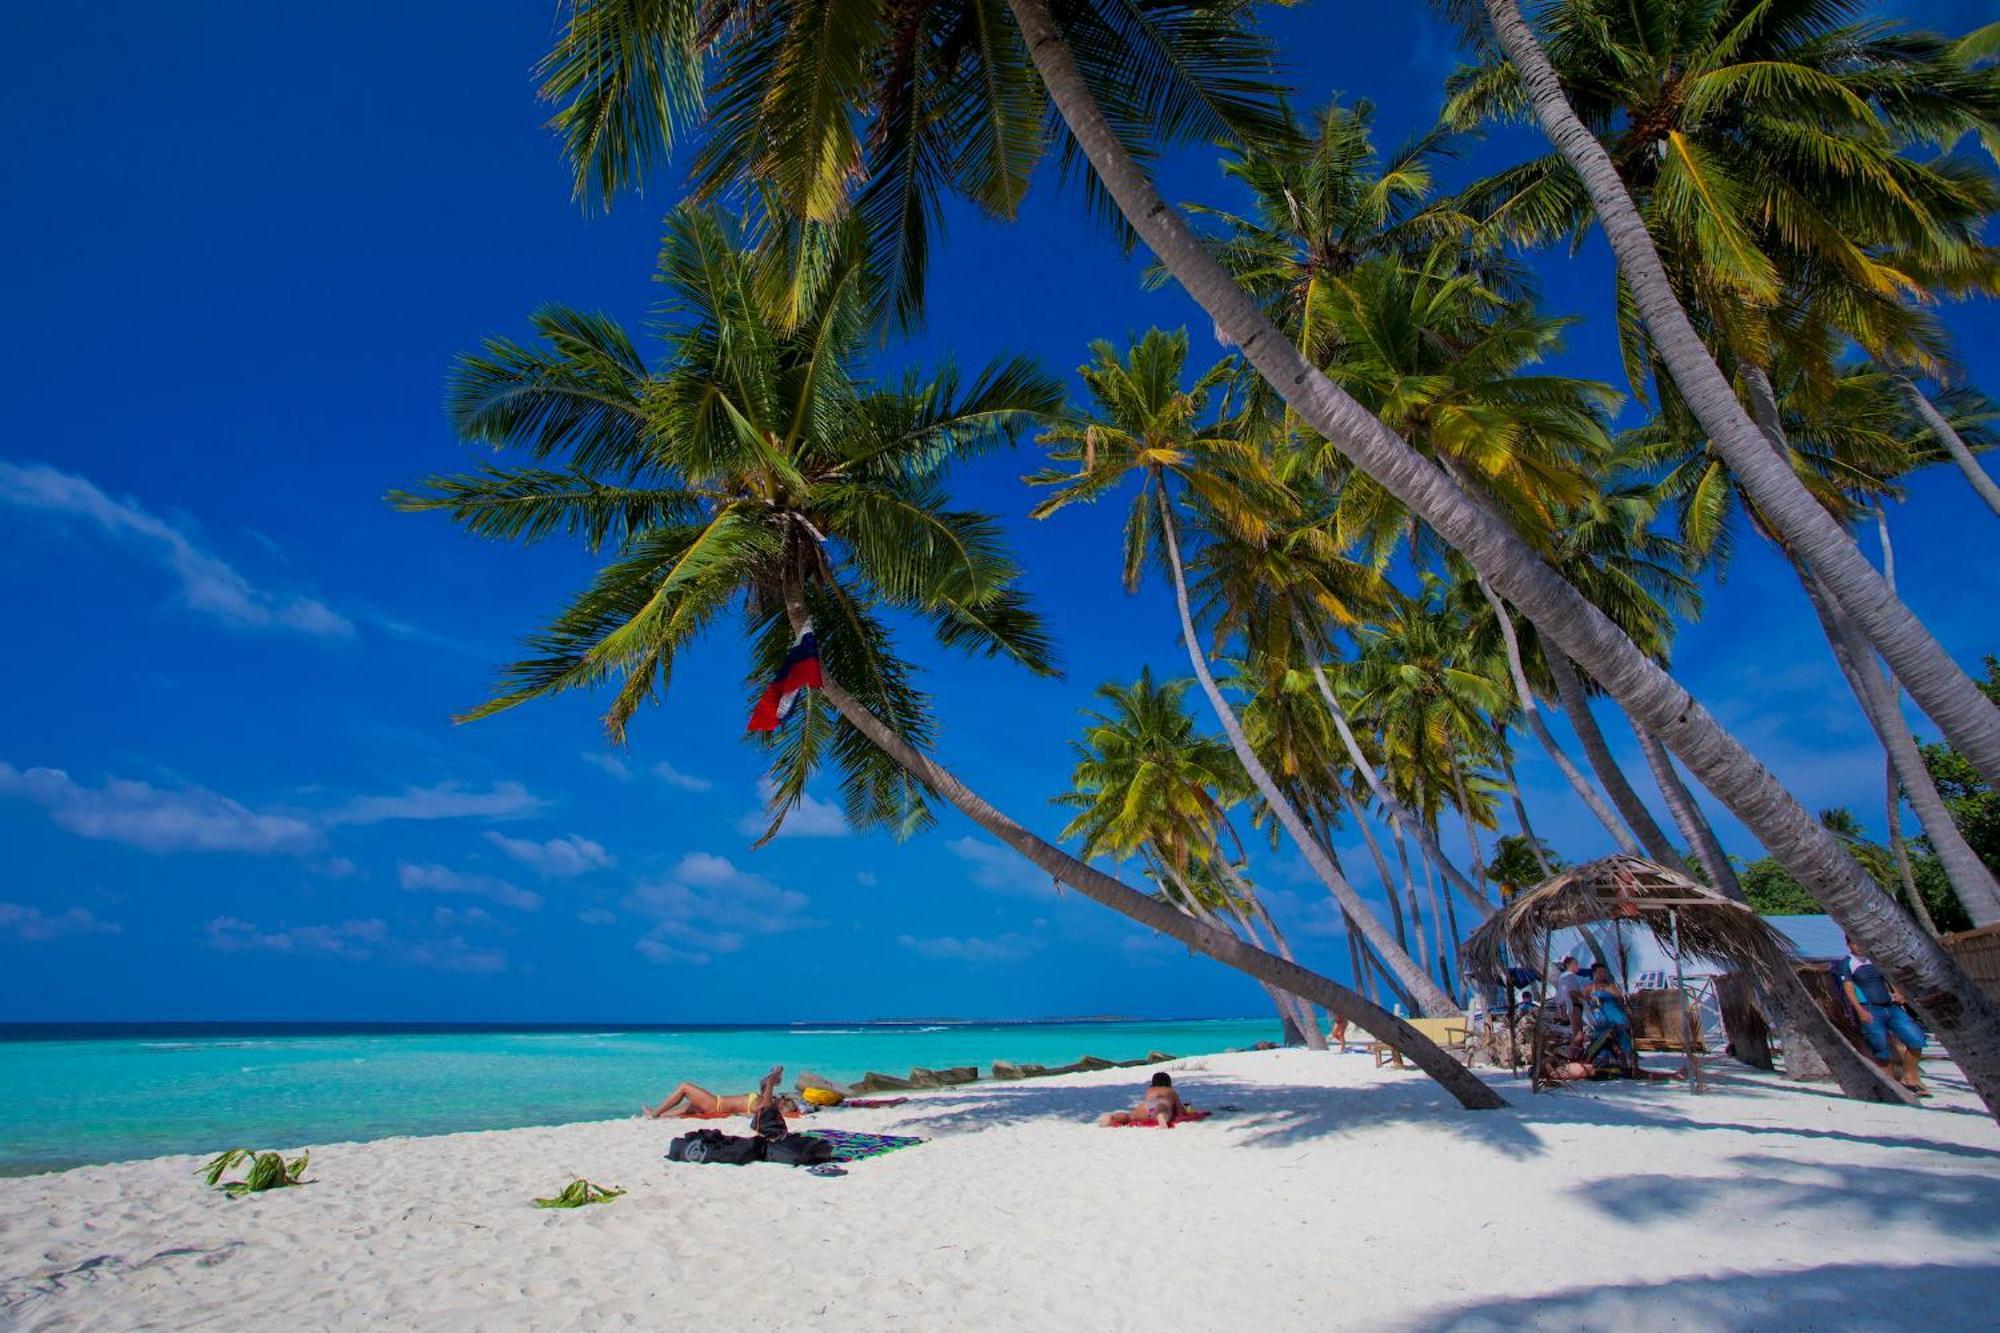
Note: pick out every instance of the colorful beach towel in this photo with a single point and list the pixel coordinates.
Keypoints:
(873, 1103)
(849, 1146)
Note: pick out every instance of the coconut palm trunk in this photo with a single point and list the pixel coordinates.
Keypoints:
(1970, 879)
(1471, 829)
(1984, 485)
(1939, 685)
(1514, 795)
(1430, 999)
(1532, 713)
(1300, 1009)
(1576, 706)
(1374, 844)
(1693, 823)
(1965, 1020)
(1390, 805)
(1899, 847)
(1409, 886)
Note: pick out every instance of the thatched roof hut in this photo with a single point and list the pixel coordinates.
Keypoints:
(1627, 888)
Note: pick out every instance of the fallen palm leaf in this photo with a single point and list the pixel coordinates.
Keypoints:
(580, 1192)
(268, 1171)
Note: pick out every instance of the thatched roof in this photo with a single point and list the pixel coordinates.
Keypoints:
(1626, 888)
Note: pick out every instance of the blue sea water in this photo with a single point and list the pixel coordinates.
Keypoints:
(77, 1094)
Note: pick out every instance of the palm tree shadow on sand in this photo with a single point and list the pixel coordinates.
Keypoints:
(1830, 1296)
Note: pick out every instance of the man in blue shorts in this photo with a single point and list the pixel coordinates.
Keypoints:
(1882, 1016)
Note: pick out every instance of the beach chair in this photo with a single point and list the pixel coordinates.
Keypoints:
(1453, 1034)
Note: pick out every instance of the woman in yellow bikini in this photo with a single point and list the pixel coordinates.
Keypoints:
(690, 1101)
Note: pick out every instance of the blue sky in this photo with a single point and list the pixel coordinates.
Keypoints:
(245, 242)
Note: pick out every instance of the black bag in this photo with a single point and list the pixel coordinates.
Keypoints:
(769, 1122)
(798, 1150)
(714, 1146)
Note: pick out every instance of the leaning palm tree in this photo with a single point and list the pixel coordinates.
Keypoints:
(1706, 73)
(626, 73)
(1150, 426)
(759, 473)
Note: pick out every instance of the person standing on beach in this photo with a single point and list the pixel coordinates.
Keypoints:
(1880, 1009)
(695, 1102)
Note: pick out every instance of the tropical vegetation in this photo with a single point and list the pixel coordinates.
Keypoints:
(1396, 540)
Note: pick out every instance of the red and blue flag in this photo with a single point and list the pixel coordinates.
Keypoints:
(800, 672)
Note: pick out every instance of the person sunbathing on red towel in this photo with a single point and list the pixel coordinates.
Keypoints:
(1162, 1106)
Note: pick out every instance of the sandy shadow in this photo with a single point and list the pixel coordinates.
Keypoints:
(1830, 1296)
(1953, 1202)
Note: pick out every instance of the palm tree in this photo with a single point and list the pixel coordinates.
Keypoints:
(1741, 70)
(625, 71)
(1147, 784)
(1149, 426)
(759, 471)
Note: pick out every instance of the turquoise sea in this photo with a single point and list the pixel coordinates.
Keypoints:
(75, 1094)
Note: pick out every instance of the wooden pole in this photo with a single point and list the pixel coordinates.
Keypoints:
(1541, 1016)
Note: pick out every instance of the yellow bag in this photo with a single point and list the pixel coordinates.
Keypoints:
(822, 1096)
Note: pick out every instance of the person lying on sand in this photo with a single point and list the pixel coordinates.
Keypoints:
(695, 1102)
(1161, 1102)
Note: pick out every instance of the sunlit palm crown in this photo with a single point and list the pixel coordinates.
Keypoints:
(1146, 780)
(887, 106)
(756, 474)
(1767, 143)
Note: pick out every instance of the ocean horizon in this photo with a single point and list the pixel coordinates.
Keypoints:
(80, 1093)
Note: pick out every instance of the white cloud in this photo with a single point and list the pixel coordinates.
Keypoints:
(355, 941)
(432, 878)
(459, 918)
(1000, 868)
(157, 820)
(208, 584)
(558, 858)
(610, 763)
(446, 800)
(810, 818)
(866, 878)
(706, 905)
(673, 777)
(338, 867)
(31, 923)
(596, 916)
(972, 949)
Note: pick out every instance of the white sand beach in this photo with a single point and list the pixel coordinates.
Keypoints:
(1340, 1196)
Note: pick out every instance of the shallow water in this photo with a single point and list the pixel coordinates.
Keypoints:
(73, 1095)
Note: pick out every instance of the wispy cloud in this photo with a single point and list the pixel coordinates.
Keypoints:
(596, 916)
(811, 818)
(158, 820)
(446, 800)
(355, 941)
(558, 858)
(867, 879)
(208, 584)
(972, 949)
(433, 878)
(190, 818)
(1000, 869)
(32, 923)
(610, 763)
(706, 906)
(673, 777)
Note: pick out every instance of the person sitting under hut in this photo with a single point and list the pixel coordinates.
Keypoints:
(1611, 1033)
(1883, 1016)
(691, 1101)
